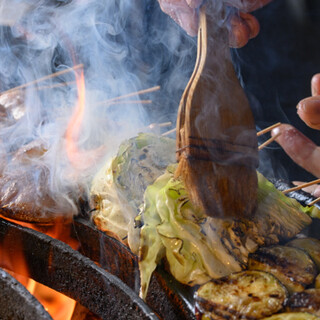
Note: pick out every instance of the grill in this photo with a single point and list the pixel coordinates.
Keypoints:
(101, 276)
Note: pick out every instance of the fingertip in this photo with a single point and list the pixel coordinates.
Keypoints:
(194, 3)
(315, 85)
(308, 110)
(252, 23)
(239, 34)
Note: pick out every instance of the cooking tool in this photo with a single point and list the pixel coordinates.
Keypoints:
(216, 138)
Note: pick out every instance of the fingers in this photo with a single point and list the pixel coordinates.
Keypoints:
(183, 13)
(247, 5)
(243, 28)
(299, 148)
(308, 110)
(315, 85)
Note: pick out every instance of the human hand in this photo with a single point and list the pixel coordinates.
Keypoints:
(243, 26)
(299, 148)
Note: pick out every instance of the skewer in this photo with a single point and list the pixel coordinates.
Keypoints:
(57, 85)
(261, 132)
(53, 75)
(132, 94)
(110, 103)
(313, 202)
(304, 185)
(159, 125)
(168, 132)
(263, 145)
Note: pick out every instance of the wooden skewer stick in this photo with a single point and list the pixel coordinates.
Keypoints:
(169, 132)
(313, 202)
(304, 185)
(263, 145)
(110, 103)
(132, 94)
(159, 125)
(53, 75)
(57, 85)
(260, 133)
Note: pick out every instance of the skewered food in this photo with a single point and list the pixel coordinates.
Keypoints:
(305, 301)
(310, 245)
(292, 266)
(243, 295)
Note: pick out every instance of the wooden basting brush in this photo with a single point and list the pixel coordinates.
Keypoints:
(217, 145)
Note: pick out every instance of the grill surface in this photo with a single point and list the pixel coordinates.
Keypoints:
(54, 264)
(16, 302)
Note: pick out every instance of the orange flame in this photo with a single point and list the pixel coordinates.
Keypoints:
(80, 159)
(59, 306)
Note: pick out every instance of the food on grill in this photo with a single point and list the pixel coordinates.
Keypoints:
(317, 282)
(293, 316)
(196, 247)
(305, 301)
(310, 245)
(243, 295)
(24, 188)
(292, 266)
(118, 188)
(12, 107)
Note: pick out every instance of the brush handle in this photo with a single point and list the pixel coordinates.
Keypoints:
(215, 122)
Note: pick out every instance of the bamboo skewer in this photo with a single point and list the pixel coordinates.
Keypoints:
(261, 132)
(53, 75)
(304, 185)
(132, 94)
(160, 125)
(57, 85)
(266, 143)
(313, 202)
(169, 132)
(110, 103)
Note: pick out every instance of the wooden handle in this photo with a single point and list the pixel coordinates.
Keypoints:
(216, 122)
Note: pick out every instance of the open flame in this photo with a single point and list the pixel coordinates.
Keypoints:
(59, 306)
(79, 159)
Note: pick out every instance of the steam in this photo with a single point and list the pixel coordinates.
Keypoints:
(122, 51)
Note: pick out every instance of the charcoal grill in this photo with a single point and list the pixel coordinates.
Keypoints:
(102, 276)
(108, 291)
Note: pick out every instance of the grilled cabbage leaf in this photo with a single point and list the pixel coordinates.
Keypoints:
(197, 247)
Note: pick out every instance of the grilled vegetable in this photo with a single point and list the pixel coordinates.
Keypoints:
(117, 189)
(305, 301)
(317, 282)
(293, 316)
(243, 295)
(310, 245)
(292, 266)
